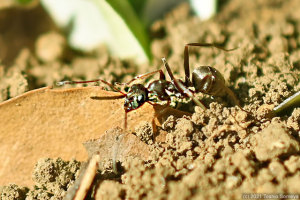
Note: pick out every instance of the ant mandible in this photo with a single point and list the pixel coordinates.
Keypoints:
(205, 79)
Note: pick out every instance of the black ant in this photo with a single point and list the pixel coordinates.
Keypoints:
(138, 94)
(205, 79)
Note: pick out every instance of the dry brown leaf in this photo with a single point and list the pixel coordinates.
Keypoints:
(55, 122)
(117, 144)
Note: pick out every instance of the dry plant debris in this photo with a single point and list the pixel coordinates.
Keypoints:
(54, 123)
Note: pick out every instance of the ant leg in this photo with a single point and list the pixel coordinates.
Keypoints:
(186, 63)
(187, 81)
(156, 115)
(91, 81)
(232, 96)
(161, 76)
(182, 89)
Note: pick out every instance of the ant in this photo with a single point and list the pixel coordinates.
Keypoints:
(205, 79)
(138, 94)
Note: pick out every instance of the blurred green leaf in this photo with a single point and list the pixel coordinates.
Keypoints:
(23, 1)
(138, 6)
(127, 13)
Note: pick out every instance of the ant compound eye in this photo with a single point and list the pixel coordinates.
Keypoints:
(126, 89)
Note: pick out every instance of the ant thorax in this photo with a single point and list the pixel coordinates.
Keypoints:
(136, 97)
(162, 90)
(158, 89)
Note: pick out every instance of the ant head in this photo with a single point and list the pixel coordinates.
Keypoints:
(208, 80)
(136, 97)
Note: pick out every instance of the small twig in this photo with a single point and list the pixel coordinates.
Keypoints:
(88, 178)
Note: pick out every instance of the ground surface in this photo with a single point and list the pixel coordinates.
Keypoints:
(221, 153)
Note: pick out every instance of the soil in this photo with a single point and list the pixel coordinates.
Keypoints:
(222, 153)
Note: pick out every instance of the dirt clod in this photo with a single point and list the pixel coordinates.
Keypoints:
(50, 47)
(13, 191)
(53, 178)
(280, 143)
(109, 190)
(144, 132)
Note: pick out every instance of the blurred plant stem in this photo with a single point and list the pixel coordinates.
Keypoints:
(288, 104)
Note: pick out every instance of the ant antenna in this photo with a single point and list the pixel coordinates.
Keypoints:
(61, 83)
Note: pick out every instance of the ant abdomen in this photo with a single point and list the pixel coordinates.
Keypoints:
(208, 80)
